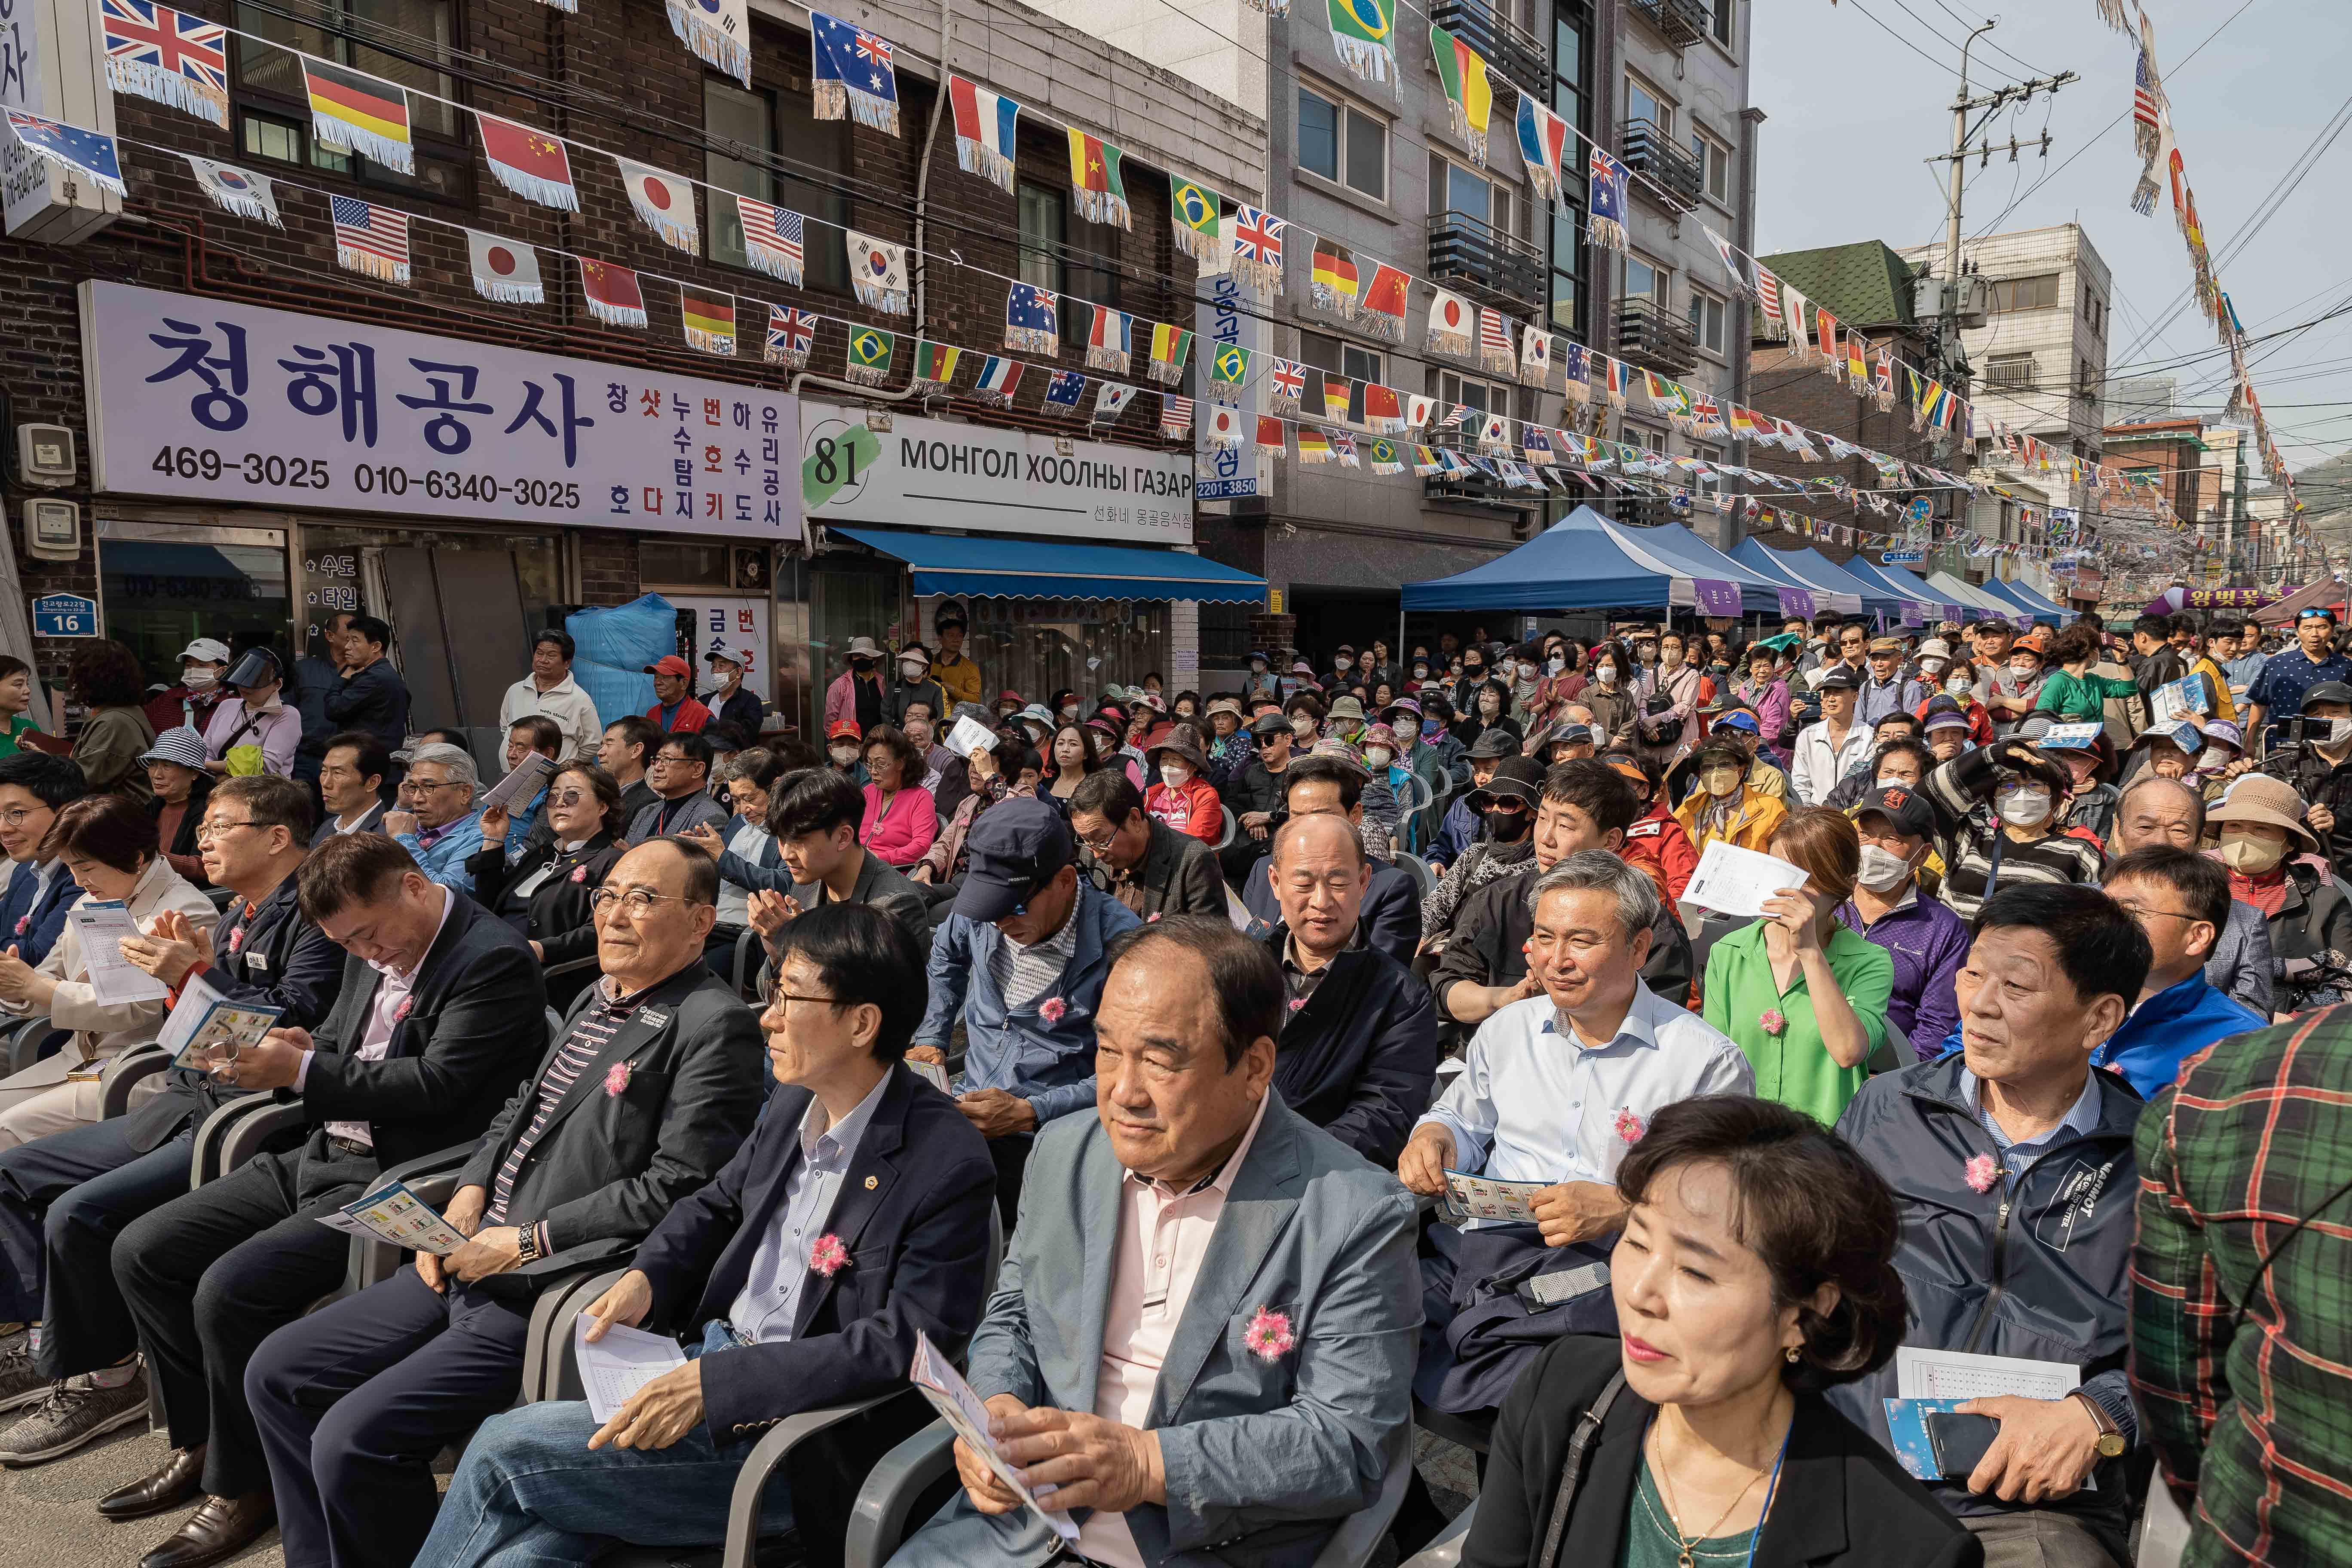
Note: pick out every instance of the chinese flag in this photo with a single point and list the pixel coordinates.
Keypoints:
(529, 162)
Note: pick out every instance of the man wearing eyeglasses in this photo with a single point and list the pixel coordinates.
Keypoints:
(651, 1085)
(680, 776)
(441, 1013)
(1020, 958)
(437, 822)
(34, 786)
(2181, 899)
(64, 1199)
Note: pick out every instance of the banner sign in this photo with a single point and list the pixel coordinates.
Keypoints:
(1715, 597)
(224, 402)
(938, 473)
(1797, 602)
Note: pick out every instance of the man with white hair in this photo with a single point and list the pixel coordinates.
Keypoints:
(436, 821)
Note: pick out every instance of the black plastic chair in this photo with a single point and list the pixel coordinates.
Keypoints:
(126, 1071)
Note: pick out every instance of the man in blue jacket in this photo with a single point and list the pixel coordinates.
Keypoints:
(1020, 958)
(34, 786)
(2181, 901)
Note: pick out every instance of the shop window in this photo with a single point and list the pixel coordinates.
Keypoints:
(159, 595)
(1039, 647)
(761, 122)
(271, 90)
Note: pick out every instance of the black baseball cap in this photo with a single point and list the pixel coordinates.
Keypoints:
(2328, 692)
(1904, 807)
(1837, 678)
(1017, 846)
(1517, 778)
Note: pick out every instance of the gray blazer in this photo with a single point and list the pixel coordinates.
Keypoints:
(1264, 1459)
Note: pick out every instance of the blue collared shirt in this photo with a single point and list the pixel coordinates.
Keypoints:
(441, 853)
(1534, 1103)
(2080, 1120)
(770, 1302)
(2169, 1028)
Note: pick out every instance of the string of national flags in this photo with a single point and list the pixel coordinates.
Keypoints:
(2161, 165)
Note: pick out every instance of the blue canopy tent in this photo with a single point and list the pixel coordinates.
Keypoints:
(1946, 606)
(1584, 562)
(1995, 588)
(1917, 603)
(1973, 596)
(1706, 564)
(1797, 597)
(1020, 568)
(1830, 585)
(2034, 599)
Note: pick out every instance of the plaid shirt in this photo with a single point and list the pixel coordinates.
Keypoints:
(2254, 1416)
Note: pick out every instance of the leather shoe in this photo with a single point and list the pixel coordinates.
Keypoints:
(219, 1529)
(179, 1477)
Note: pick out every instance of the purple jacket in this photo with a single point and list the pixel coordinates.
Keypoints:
(1929, 943)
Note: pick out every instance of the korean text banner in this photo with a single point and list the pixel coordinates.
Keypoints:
(226, 402)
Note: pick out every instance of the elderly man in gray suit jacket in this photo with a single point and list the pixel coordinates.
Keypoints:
(1203, 1338)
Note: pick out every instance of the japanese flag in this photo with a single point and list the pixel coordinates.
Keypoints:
(1225, 425)
(505, 269)
(666, 202)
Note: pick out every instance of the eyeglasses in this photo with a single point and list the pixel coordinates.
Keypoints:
(794, 997)
(637, 903)
(16, 817)
(2141, 912)
(415, 784)
(206, 830)
(569, 797)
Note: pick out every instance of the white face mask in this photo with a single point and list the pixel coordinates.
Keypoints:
(1175, 775)
(1883, 869)
(1957, 685)
(2025, 806)
(1556, 664)
(1377, 755)
(844, 755)
(199, 679)
(911, 673)
(2023, 670)
(1606, 675)
(1888, 781)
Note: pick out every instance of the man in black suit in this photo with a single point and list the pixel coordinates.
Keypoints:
(442, 1010)
(368, 693)
(1391, 912)
(647, 1092)
(1145, 865)
(64, 1199)
(856, 1218)
(351, 777)
(1358, 1051)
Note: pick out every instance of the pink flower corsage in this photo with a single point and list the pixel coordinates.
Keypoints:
(1629, 1126)
(1297, 1003)
(617, 1079)
(827, 1256)
(22, 922)
(236, 938)
(1052, 1008)
(402, 1011)
(1155, 915)
(1982, 1171)
(1773, 1022)
(579, 873)
(1268, 1336)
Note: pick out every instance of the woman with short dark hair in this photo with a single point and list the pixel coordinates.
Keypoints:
(543, 893)
(15, 704)
(105, 678)
(1756, 1269)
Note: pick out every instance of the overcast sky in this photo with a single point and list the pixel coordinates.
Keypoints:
(1852, 111)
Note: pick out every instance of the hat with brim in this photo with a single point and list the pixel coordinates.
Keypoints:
(1229, 706)
(1719, 751)
(2222, 732)
(2257, 797)
(1036, 713)
(1401, 705)
(1180, 740)
(669, 663)
(178, 744)
(1015, 846)
(1348, 708)
(844, 729)
(1836, 678)
(861, 647)
(1379, 736)
(1949, 719)
(2326, 692)
(1493, 741)
(1518, 779)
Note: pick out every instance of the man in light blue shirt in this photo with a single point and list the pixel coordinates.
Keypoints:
(766, 1307)
(1554, 1090)
(437, 822)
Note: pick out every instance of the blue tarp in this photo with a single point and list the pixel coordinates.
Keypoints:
(1584, 562)
(1975, 598)
(991, 567)
(1947, 607)
(1910, 594)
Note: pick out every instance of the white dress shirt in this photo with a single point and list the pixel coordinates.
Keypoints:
(1534, 1103)
(392, 995)
(764, 1310)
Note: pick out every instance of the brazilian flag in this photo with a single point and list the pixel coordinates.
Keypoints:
(1199, 229)
(1364, 32)
(871, 348)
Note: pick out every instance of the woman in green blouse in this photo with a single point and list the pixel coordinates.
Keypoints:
(16, 701)
(1805, 998)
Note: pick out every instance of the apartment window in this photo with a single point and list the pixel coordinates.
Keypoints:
(1641, 103)
(1643, 281)
(2087, 382)
(2094, 310)
(2037, 293)
(1725, 22)
(760, 122)
(1048, 260)
(1569, 21)
(1453, 189)
(1343, 144)
(274, 103)
(1714, 160)
(2010, 372)
(1479, 396)
(1330, 354)
(1707, 320)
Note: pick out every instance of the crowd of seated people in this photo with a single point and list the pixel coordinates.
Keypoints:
(1322, 1059)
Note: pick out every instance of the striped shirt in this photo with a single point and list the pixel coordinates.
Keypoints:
(589, 1036)
(1961, 792)
(1023, 974)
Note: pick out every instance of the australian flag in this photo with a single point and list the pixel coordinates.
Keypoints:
(853, 69)
(1031, 320)
(84, 152)
(1063, 393)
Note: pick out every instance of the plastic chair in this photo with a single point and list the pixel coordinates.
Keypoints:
(1233, 826)
(1445, 1551)
(224, 1141)
(1417, 870)
(432, 1178)
(127, 1069)
(21, 1041)
(747, 965)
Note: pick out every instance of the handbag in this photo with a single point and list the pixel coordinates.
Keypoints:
(1572, 1469)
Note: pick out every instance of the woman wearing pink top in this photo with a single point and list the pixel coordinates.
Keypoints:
(901, 818)
(1181, 795)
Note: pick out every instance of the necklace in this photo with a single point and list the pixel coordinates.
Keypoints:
(1686, 1551)
(1683, 1544)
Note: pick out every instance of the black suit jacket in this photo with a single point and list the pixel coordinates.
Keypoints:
(1842, 1499)
(556, 915)
(281, 959)
(476, 1022)
(1178, 875)
(372, 821)
(374, 700)
(913, 1210)
(606, 1167)
(1359, 1059)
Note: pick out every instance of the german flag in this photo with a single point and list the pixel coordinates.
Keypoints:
(709, 320)
(366, 114)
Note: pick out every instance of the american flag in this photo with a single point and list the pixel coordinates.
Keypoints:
(1494, 334)
(1175, 415)
(141, 32)
(1257, 236)
(776, 231)
(371, 230)
(2147, 99)
(1453, 419)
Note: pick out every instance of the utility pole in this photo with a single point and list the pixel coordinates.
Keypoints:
(1957, 161)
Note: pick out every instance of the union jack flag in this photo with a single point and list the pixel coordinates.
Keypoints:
(873, 49)
(791, 335)
(154, 51)
(1289, 379)
(1257, 249)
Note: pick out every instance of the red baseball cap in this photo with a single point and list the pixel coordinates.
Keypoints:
(670, 665)
(841, 727)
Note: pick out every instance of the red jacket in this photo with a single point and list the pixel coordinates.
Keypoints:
(1195, 809)
(1658, 845)
(691, 715)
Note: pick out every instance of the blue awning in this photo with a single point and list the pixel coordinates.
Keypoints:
(1584, 562)
(991, 567)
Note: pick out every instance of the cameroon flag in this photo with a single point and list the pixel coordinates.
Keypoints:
(710, 321)
(1095, 183)
(1171, 345)
(936, 363)
(1462, 71)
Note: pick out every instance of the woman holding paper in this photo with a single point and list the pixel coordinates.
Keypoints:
(1805, 998)
(544, 895)
(108, 845)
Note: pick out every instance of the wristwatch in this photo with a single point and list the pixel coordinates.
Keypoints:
(527, 1249)
(2111, 1440)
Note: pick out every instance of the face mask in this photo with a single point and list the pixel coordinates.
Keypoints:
(1175, 775)
(1070, 710)
(1506, 825)
(1429, 728)
(2249, 855)
(1931, 666)
(1606, 675)
(2023, 670)
(1421, 672)
(1957, 685)
(911, 673)
(199, 679)
(1303, 727)
(1720, 781)
(1671, 658)
(844, 755)
(2025, 806)
(2338, 731)
(1378, 755)
(1556, 664)
(1883, 869)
